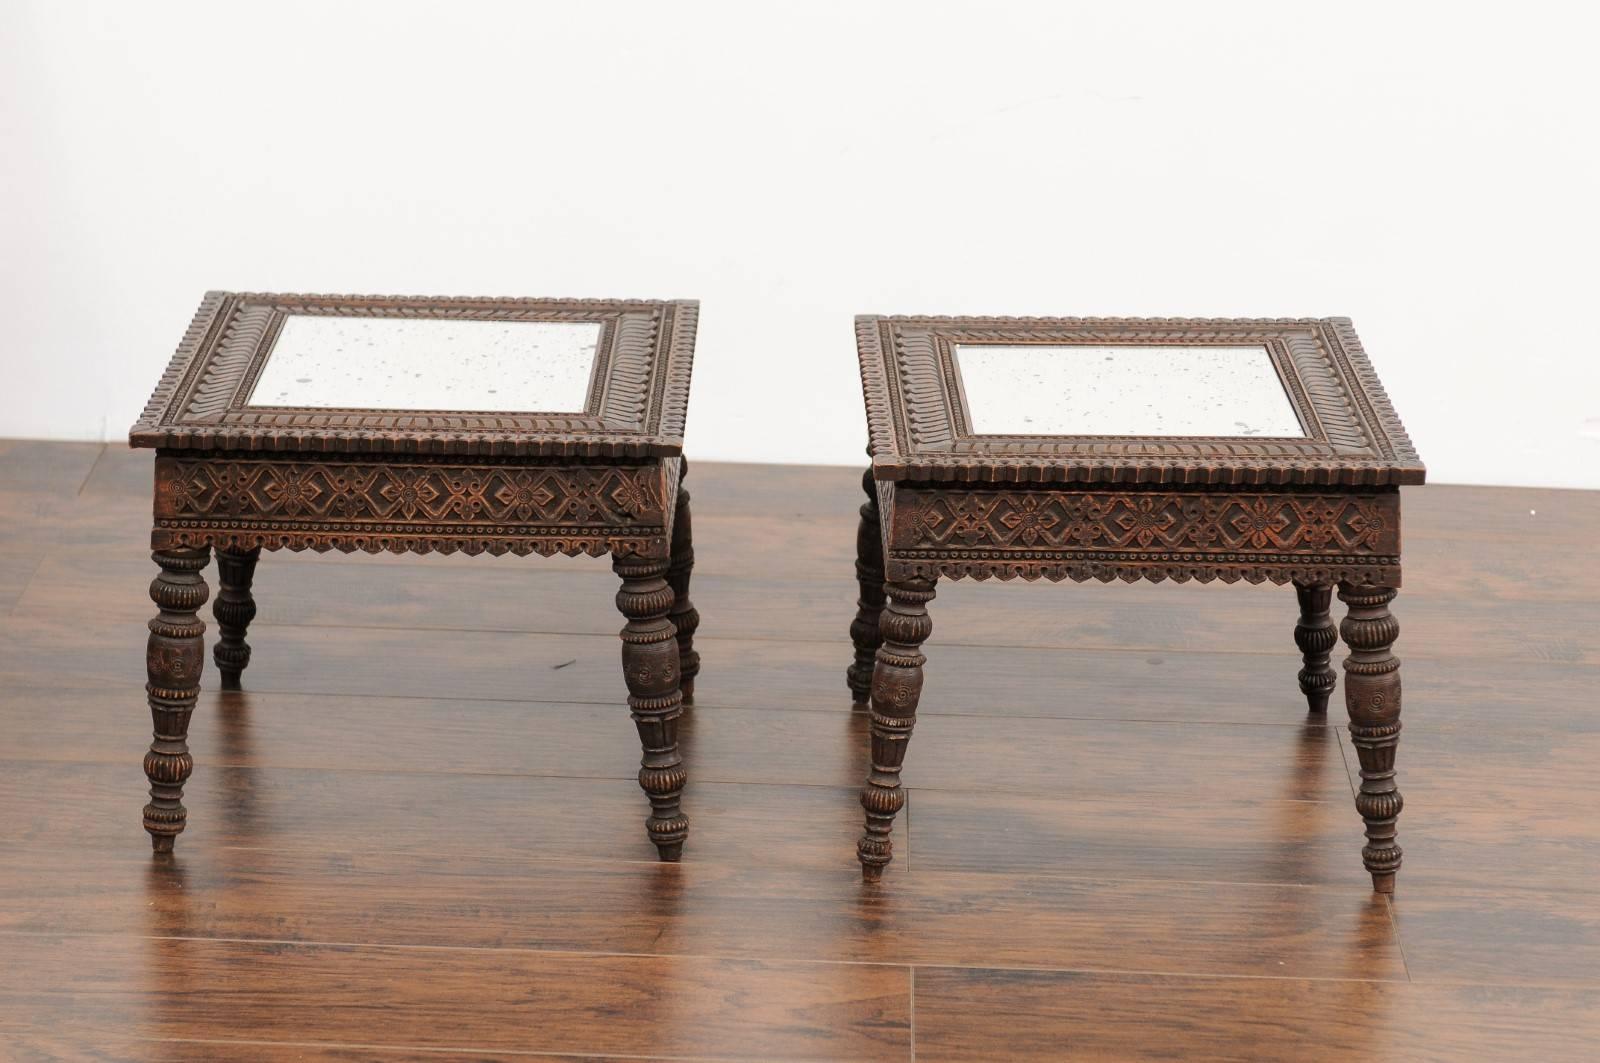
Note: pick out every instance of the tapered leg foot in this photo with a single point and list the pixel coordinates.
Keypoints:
(1316, 635)
(685, 618)
(174, 658)
(869, 603)
(1372, 697)
(650, 667)
(233, 610)
(896, 689)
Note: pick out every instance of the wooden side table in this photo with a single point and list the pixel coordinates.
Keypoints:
(1123, 449)
(415, 424)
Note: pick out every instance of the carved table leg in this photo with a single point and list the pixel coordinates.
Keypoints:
(869, 574)
(1372, 696)
(650, 666)
(896, 687)
(174, 659)
(1316, 634)
(234, 608)
(684, 615)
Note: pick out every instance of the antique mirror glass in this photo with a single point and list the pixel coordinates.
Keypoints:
(429, 364)
(1079, 390)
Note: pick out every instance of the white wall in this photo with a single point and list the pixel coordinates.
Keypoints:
(1431, 172)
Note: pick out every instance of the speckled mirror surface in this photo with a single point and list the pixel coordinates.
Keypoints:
(1123, 390)
(325, 362)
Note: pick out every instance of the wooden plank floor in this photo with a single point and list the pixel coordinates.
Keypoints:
(417, 835)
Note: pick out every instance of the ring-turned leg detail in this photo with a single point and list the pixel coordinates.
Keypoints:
(1372, 696)
(684, 615)
(174, 659)
(896, 688)
(234, 608)
(650, 666)
(869, 604)
(1316, 635)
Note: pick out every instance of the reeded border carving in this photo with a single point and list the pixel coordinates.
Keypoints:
(918, 427)
(636, 408)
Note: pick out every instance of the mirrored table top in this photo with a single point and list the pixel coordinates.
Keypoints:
(438, 375)
(419, 364)
(1146, 401)
(1123, 390)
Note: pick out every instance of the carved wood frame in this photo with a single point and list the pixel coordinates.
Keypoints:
(414, 503)
(1277, 535)
(239, 479)
(637, 402)
(919, 428)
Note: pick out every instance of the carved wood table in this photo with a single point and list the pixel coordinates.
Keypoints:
(1123, 449)
(403, 424)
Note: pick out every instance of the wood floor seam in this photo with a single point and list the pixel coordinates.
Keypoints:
(438, 1050)
(712, 706)
(22, 592)
(393, 946)
(1052, 876)
(712, 637)
(416, 832)
(708, 705)
(1399, 942)
(93, 465)
(911, 1008)
(740, 958)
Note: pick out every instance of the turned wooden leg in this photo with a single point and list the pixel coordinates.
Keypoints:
(1316, 634)
(234, 608)
(1372, 696)
(650, 666)
(869, 604)
(685, 618)
(174, 658)
(896, 687)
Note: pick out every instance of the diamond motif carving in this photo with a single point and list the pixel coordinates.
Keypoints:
(1064, 533)
(414, 504)
(1144, 520)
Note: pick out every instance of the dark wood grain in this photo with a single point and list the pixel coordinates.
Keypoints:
(1528, 813)
(452, 776)
(572, 596)
(1214, 837)
(1160, 685)
(1501, 935)
(16, 569)
(1086, 758)
(321, 811)
(32, 1044)
(485, 902)
(464, 999)
(55, 468)
(969, 1015)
